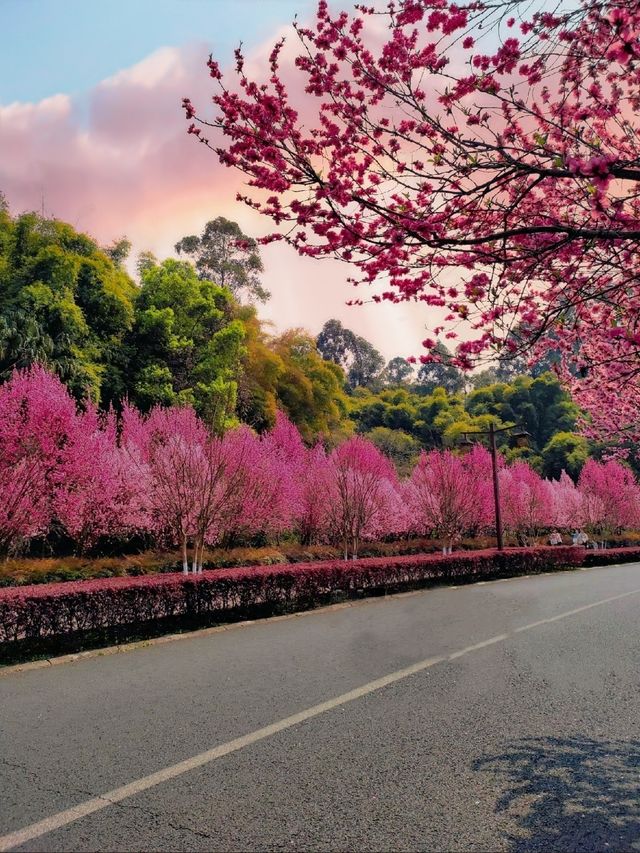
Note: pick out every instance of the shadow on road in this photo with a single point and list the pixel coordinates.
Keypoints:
(568, 794)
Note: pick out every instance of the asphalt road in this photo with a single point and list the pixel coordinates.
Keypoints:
(500, 716)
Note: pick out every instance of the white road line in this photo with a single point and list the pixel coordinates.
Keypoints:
(497, 639)
(573, 612)
(117, 795)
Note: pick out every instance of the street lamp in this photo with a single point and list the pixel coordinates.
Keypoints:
(522, 440)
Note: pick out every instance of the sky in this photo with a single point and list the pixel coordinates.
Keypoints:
(91, 130)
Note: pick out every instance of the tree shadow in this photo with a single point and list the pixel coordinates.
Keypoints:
(568, 794)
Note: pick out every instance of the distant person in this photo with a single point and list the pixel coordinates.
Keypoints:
(582, 538)
(555, 538)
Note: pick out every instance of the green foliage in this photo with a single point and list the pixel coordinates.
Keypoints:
(403, 449)
(441, 418)
(541, 404)
(523, 454)
(309, 389)
(118, 251)
(186, 344)
(564, 451)
(223, 254)
(440, 374)
(483, 378)
(287, 372)
(261, 367)
(64, 303)
(399, 409)
(397, 372)
(361, 362)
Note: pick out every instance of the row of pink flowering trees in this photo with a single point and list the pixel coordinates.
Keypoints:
(164, 475)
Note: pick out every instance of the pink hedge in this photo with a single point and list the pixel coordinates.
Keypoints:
(65, 610)
(610, 556)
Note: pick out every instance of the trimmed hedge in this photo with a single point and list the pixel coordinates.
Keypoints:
(34, 619)
(609, 556)
(59, 617)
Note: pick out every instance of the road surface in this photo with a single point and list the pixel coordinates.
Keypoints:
(501, 716)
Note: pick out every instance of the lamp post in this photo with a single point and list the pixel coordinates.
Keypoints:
(522, 440)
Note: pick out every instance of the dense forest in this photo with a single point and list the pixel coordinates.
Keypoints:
(188, 331)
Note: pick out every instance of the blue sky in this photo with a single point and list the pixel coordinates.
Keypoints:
(67, 46)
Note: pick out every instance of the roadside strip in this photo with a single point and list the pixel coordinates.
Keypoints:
(104, 651)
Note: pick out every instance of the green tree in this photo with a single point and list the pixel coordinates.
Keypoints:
(541, 404)
(442, 418)
(366, 365)
(483, 378)
(360, 360)
(257, 402)
(440, 374)
(309, 389)
(287, 372)
(186, 343)
(403, 449)
(144, 261)
(565, 451)
(226, 256)
(335, 342)
(397, 372)
(63, 303)
(369, 414)
(118, 251)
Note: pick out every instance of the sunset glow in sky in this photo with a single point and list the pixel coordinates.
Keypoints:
(91, 128)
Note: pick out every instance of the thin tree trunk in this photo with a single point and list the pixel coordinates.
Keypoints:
(200, 553)
(185, 556)
(196, 554)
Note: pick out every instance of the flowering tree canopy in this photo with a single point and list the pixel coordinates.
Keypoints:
(610, 496)
(447, 495)
(97, 479)
(361, 498)
(566, 502)
(312, 514)
(528, 500)
(37, 422)
(481, 158)
(101, 493)
(201, 486)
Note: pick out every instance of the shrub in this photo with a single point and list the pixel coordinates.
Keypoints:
(63, 615)
(610, 556)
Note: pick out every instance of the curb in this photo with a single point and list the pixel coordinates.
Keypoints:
(105, 651)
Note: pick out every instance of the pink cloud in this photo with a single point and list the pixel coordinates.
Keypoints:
(118, 160)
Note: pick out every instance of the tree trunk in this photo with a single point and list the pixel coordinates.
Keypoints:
(197, 555)
(200, 553)
(185, 556)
